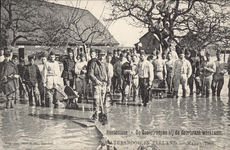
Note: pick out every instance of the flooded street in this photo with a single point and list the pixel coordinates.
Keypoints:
(192, 123)
(26, 127)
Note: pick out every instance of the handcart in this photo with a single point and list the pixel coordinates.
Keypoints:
(159, 87)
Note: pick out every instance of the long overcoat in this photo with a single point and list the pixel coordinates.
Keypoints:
(7, 72)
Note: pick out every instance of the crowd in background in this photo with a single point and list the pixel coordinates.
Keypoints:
(120, 71)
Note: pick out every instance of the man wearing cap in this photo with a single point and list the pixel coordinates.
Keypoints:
(117, 86)
(160, 71)
(181, 71)
(8, 73)
(127, 73)
(40, 83)
(16, 80)
(93, 56)
(80, 71)
(20, 67)
(51, 80)
(218, 76)
(145, 73)
(97, 74)
(32, 77)
(207, 69)
(191, 78)
(68, 71)
(115, 57)
(169, 66)
(135, 81)
(172, 49)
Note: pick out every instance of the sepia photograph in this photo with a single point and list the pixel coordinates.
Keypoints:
(115, 75)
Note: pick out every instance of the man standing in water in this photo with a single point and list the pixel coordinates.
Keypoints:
(169, 66)
(68, 71)
(32, 76)
(218, 76)
(51, 80)
(145, 73)
(8, 73)
(97, 74)
(208, 67)
(182, 70)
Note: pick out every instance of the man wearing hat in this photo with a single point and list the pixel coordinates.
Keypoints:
(169, 66)
(145, 73)
(68, 71)
(218, 76)
(181, 71)
(207, 69)
(20, 67)
(51, 80)
(172, 49)
(32, 77)
(98, 75)
(8, 73)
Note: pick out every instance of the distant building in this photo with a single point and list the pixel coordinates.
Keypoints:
(148, 42)
(84, 25)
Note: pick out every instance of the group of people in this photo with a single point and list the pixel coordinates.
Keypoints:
(121, 71)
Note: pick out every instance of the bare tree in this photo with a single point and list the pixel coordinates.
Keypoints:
(173, 19)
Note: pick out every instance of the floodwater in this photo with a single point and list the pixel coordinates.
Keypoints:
(26, 127)
(191, 123)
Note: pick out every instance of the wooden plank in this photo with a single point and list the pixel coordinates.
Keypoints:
(85, 123)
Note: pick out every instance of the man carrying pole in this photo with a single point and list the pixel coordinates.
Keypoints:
(97, 74)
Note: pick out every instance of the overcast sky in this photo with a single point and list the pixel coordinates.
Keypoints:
(124, 33)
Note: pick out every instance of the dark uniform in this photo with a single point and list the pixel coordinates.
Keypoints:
(32, 77)
(20, 72)
(68, 71)
(7, 77)
(127, 78)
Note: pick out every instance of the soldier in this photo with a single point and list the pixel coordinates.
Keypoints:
(172, 49)
(117, 73)
(191, 78)
(40, 83)
(115, 57)
(32, 77)
(80, 71)
(218, 76)
(182, 70)
(135, 81)
(169, 66)
(145, 73)
(208, 67)
(16, 80)
(68, 71)
(109, 69)
(160, 71)
(93, 56)
(8, 73)
(97, 74)
(127, 78)
(51, 81)
(20, 72)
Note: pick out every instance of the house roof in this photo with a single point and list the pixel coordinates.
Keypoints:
(60, 24)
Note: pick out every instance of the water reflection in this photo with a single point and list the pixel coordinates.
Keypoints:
(43, 128)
